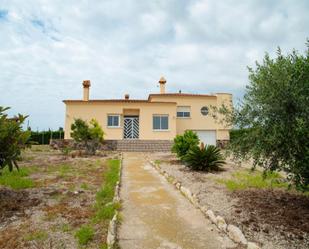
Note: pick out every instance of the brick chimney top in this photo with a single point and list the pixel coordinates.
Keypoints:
(86, 83)
(162, 80)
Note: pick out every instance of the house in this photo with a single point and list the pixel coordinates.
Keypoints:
(155, 120)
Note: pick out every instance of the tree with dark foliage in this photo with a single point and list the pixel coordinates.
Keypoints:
(12, 139)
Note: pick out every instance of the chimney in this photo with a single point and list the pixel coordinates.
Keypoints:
(126, 96)
(162, 82)
(86, 85)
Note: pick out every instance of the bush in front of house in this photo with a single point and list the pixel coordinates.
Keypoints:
(182, 143)
(90, 135)
(13, 139)
(204, 158)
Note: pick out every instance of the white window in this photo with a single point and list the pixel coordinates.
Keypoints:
(160, 122)
(183, 112)
(113, 120)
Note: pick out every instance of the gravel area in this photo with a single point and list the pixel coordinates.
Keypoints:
(274, 219)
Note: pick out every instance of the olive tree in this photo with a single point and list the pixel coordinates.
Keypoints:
(90, 135)
(272, 121)
(12, 139)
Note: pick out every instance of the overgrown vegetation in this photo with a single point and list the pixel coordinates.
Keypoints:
(84, 234)
(63, 197)
(204, 158)
(90, 135)
(254, 179)
(16, 179)
(104, 206)
(36, 235)
(12, 139)
(273, 118)
(66, 150)
(65, 228)
(182, 143)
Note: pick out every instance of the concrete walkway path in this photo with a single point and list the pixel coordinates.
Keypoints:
(156, 216)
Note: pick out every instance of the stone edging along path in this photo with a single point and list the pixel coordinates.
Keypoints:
(112, 228)
(233, 232)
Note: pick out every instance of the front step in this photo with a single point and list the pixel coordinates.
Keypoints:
(135, 145)
(140, 145)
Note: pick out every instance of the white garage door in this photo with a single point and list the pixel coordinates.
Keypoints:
(207, 137)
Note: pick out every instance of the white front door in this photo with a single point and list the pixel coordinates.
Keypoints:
(207, 136)
(131, 128)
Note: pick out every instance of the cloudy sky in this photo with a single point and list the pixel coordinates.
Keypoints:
(48, 47)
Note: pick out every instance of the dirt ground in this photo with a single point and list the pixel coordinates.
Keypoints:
(61, 201)
(273, 218)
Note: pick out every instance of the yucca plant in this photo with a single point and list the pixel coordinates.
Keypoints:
(204, 158)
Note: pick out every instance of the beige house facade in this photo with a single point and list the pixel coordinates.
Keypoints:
(159, 117)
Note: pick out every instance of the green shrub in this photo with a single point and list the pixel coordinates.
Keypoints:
(84, 235)
(204, 158)
(91, 135)
(12, 139)
(182, 143)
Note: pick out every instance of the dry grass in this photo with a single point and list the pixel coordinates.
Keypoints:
(66, 188)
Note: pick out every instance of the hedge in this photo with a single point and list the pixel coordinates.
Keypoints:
(43, 137)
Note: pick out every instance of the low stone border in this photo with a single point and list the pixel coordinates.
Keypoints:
(112, 228)
(233, 232)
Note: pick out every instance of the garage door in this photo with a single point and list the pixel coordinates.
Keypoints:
(207, 137)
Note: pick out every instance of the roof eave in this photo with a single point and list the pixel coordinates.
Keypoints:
(116, 101)
(180, 95)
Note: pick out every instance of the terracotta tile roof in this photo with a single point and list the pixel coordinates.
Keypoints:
(117, 101)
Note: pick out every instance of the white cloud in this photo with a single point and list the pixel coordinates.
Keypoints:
(199, 8)
(49, 47)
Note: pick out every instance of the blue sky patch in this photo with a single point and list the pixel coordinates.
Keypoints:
(3, 14)
(38, 24)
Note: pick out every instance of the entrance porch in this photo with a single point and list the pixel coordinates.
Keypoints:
(131, 123)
